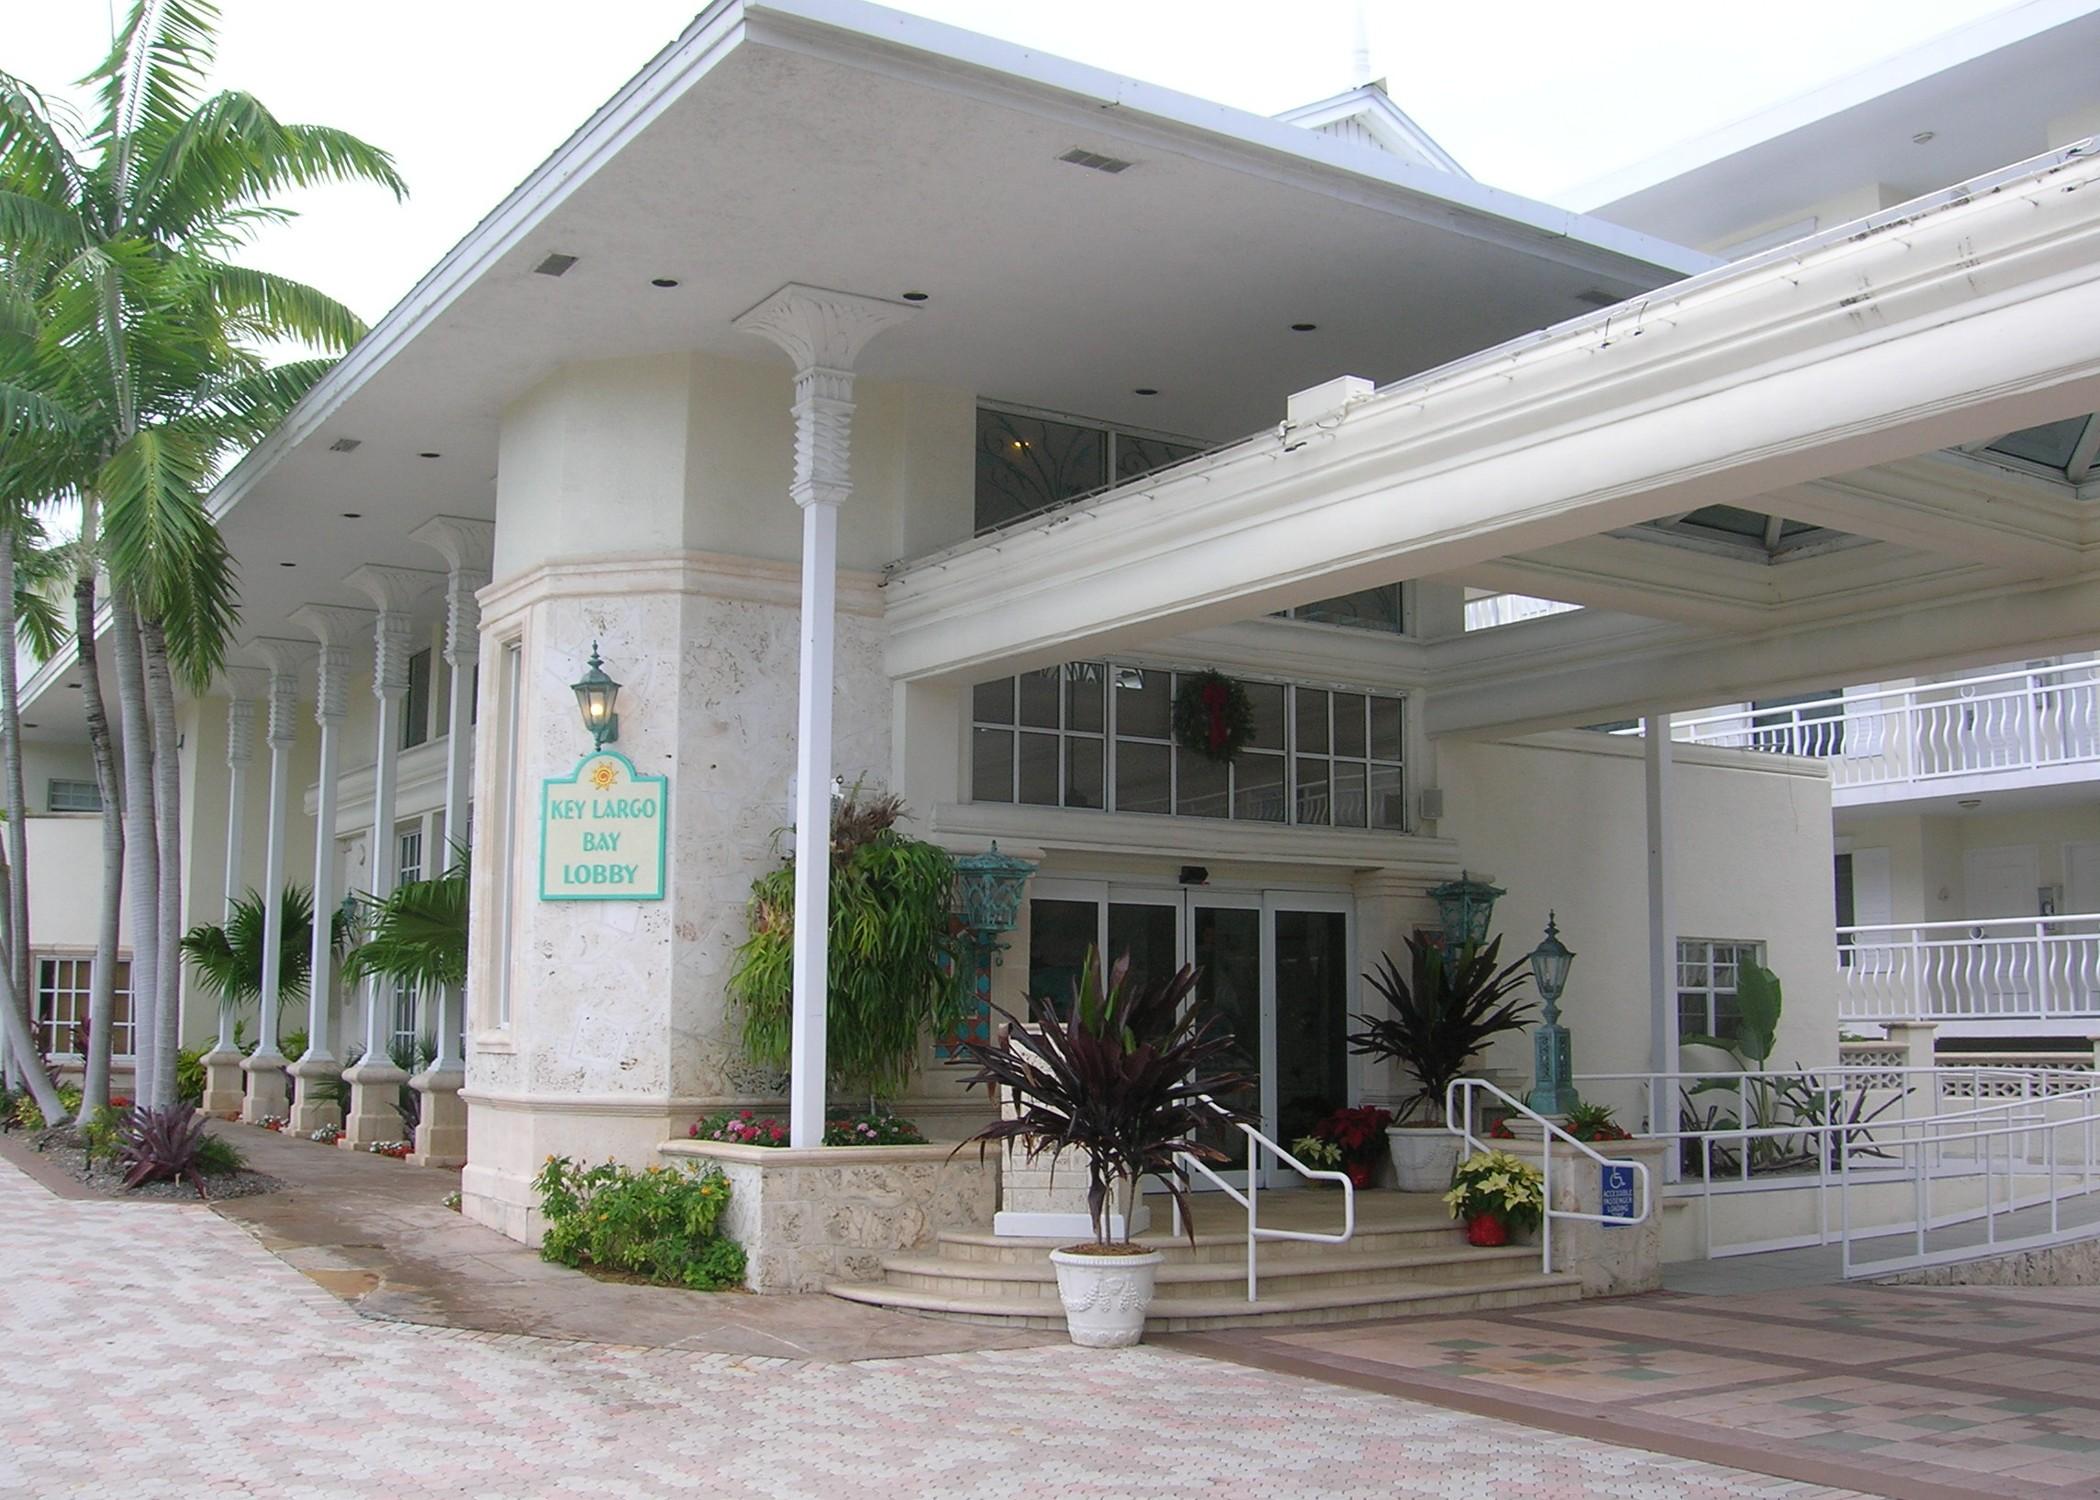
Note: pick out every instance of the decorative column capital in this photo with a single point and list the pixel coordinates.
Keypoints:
(245, 687)
(823, 332)
(285, 659)
(337, 628)
(469, 550)
(397, 592)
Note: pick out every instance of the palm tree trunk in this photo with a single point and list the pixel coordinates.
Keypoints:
(21, 1044)
(141, 844)
(167, 794)
(102, 980)
(11, 769)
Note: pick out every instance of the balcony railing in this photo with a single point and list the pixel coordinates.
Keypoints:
(2023, 720)
(2012, 969)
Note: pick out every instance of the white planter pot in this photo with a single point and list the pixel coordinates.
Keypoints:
(1105, 1296)
(1423, 1158)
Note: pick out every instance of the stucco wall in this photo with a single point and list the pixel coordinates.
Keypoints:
(1926, 850)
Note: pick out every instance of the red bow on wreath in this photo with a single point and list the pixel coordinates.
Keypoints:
(1216, 699)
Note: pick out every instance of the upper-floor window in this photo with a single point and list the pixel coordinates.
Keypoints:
(65, 794)
(415, 707)
(1381, 608)
(1028, 463)
(1099, 735)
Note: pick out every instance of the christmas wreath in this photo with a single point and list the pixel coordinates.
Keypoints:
(1212, 716)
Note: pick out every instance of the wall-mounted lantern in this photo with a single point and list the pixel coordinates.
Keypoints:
(988, 891)
(1552, 1053)
(596, 695)
(1465, 907)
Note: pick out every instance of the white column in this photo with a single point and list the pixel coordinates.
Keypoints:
(823, 332)
(244, 685)
(375, 1081)
(265, 1065)
(1659, 765)
(467, 547)
(336, 629)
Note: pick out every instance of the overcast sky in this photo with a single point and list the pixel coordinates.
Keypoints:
(1530, 95)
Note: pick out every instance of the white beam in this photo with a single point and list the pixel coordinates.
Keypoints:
(1859, 348)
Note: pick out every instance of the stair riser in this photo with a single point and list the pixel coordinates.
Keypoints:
(1371, 1242)
(1275, 1282)
(1182, 1322)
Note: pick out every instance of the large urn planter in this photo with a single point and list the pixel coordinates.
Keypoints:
(1424, 1157)
(1105, 1296)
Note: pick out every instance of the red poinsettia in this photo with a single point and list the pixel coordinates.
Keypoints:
(1359, 1134)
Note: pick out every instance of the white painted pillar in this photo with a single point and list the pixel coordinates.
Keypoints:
(244, 685)
(375, 1081)
(336, 629)
(467, 547)
(265, 1065)
(1659, 766)
(823, 332)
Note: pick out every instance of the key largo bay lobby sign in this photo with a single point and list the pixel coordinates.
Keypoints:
(602, 831)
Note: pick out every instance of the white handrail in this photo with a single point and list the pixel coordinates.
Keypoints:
(1250, 1200)
(1463, 1089)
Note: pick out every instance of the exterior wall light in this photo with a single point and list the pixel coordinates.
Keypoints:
(1465, 907)
(988, 889)
(596, 695)
(1552, 1053)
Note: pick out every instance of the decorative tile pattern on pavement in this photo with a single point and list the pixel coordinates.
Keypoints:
(158, 1349)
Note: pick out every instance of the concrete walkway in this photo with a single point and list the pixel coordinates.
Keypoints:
(155, 1348)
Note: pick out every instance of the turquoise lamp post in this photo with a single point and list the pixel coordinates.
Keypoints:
(989, 888)
(1465, 907)
(1553, 1056)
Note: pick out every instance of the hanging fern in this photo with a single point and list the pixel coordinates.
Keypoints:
(897, 967)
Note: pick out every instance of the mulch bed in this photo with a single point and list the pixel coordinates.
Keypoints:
(62, 1149)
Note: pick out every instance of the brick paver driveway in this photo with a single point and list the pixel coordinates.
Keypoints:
(158, 1350)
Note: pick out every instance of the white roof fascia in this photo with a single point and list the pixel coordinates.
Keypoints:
(1950, 50)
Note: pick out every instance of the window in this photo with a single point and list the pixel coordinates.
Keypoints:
(415, 708)
(1366, 609)
(1027, 464)
(1098, 735)
(408, 864)
(1706, 985)
(63, 795)
(62, 989)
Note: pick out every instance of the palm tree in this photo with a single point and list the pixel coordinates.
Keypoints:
(417, 935)
(149, 341)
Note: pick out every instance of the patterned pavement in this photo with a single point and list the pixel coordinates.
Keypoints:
(157, 1349)
(1897, 1390)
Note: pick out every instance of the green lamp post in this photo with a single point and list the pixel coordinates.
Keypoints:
(596, 695)
(1465, 907)
(989, 887)
(1552, 1055)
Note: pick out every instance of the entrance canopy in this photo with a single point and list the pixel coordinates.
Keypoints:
(1753, 462)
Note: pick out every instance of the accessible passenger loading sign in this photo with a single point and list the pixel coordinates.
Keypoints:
(602, 832)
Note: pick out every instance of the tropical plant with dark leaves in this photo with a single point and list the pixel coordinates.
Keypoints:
(1443, 1015)
(1123, 1076)
(162, 1145)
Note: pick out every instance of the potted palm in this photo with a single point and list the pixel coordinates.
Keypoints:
(1123, 1079)
(1441, 1017)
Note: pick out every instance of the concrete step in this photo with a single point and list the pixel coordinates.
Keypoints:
(1180, 1314)
(1338, 1270)
(1427, 1232)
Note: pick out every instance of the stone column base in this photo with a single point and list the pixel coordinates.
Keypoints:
(311, 1112)
(1613, 1260)
(224, 1092)
(441, 1134)
(265, 1091)
(375, 1114)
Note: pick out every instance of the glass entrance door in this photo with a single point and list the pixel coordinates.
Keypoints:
(1275, 969)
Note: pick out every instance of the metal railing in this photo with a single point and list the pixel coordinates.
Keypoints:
(2014, 720)
(1989, 1136)
(1458, 1115)
(1250, 1199)
(1998, 969)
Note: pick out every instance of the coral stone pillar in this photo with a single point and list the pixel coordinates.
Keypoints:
(466, 546)
(823, 332)
(244, 685)
(336, 629)
(265, 1065)
(375, 1081)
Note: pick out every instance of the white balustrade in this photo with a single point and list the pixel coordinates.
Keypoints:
(1998, 969)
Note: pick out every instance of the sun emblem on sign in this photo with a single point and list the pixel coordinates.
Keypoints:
(604, 774)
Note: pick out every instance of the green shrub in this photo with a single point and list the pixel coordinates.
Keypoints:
(27, 1116)
(102, 1133)
(189, 1075)
(219, 1157)
(658, 1223)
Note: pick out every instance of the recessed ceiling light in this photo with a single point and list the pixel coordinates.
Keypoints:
(287, 565)
(1303, 327)
(1146, 390)
(353, 515)
(663, 281)
(915, 296)
(1922, 137)
(430, 455)
(72, 684)
(27, 725)
(554, 265)
(1970, 802)
(346, 445)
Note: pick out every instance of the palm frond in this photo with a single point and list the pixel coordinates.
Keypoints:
(417, 935)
